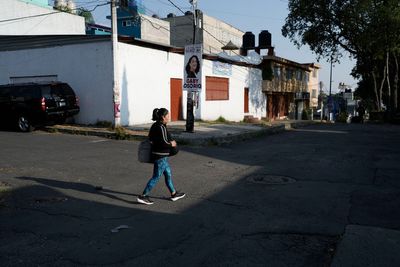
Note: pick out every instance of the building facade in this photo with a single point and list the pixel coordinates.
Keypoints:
(286, 85)
(150, 76)
(36, 17)
(313, 84)
(132, 22)
(211, 32)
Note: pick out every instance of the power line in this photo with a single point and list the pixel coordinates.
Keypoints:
(143, 18)
(28, 17)
(51, 13)
(176, 6)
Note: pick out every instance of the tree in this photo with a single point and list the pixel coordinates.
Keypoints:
(368, 29)
(86, 14)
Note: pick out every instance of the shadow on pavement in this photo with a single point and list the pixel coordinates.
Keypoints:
(227, 218)
(68, 231)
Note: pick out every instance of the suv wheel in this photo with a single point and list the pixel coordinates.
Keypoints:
(24, 124)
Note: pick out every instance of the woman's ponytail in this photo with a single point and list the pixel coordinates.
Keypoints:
(159, 113)
(155, 115)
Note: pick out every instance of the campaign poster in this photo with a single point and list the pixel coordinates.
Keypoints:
(192, 67)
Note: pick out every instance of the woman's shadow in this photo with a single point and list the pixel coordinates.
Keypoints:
(82, 187)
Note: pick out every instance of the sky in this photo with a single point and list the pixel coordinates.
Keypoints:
(246, 15)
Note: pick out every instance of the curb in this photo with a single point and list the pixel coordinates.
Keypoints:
(230, 138)
(140, 135)
(99, 133)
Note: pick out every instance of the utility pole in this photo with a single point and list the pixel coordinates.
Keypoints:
(116, 87)
(321, 85)
(190, 94)
(330, 93)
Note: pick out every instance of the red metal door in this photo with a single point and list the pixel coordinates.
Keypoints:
(176, 99)
(246, 100)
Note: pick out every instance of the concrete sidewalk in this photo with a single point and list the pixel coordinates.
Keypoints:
(204, 133)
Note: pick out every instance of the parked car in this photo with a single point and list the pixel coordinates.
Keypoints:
(30, 105)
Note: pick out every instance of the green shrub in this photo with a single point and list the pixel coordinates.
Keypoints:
(221, 119)
(120, 133)
(342, 117)
(306, 114)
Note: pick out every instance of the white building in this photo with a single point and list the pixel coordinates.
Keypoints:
(36, 17)
(313, 84)
(150, 76)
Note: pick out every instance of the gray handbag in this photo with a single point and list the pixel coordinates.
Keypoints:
(144, 151)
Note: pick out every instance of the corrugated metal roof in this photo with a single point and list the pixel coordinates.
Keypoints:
(21, 42)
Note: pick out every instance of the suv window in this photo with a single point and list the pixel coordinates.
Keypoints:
(61, 90)
(22, 93)
(4, 94)
(46, 91)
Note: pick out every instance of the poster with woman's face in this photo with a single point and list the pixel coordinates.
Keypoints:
(192, 71)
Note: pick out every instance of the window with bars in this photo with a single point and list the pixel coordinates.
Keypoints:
(217, 88)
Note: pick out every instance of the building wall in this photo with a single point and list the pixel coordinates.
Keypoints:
(181, 30)
(145, 76)
(233, 109)
(146, 86)
(145, 81)
(43, 3)
(54, 23)
(182, 33)
(155, 30)
(89, 74)
(313, 84)
(220, 30)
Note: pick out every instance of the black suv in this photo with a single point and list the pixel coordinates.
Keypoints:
(33, 104)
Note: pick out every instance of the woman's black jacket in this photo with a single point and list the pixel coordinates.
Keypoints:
(160, 140)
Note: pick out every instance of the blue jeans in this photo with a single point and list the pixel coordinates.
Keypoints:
(161, 166)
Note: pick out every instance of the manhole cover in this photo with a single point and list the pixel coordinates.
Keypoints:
(270, 179)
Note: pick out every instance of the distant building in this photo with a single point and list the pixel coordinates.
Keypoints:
(313, 84)
(286, 88)
(211, 32)
(132, 22)
(36, 17)
(42, 3)
(96, 29)
(286, 84)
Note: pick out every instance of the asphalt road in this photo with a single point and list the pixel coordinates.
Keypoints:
(325, 195)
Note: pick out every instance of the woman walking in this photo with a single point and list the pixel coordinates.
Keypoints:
(162, 144)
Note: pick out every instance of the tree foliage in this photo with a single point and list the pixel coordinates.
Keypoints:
(369, 30)
(86, 14)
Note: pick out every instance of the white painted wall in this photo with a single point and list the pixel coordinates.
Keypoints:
(145, 81)
(85, 67)
(145, 76)
(233, 109)
(44, 20)
(313, 83)
(145, 84)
